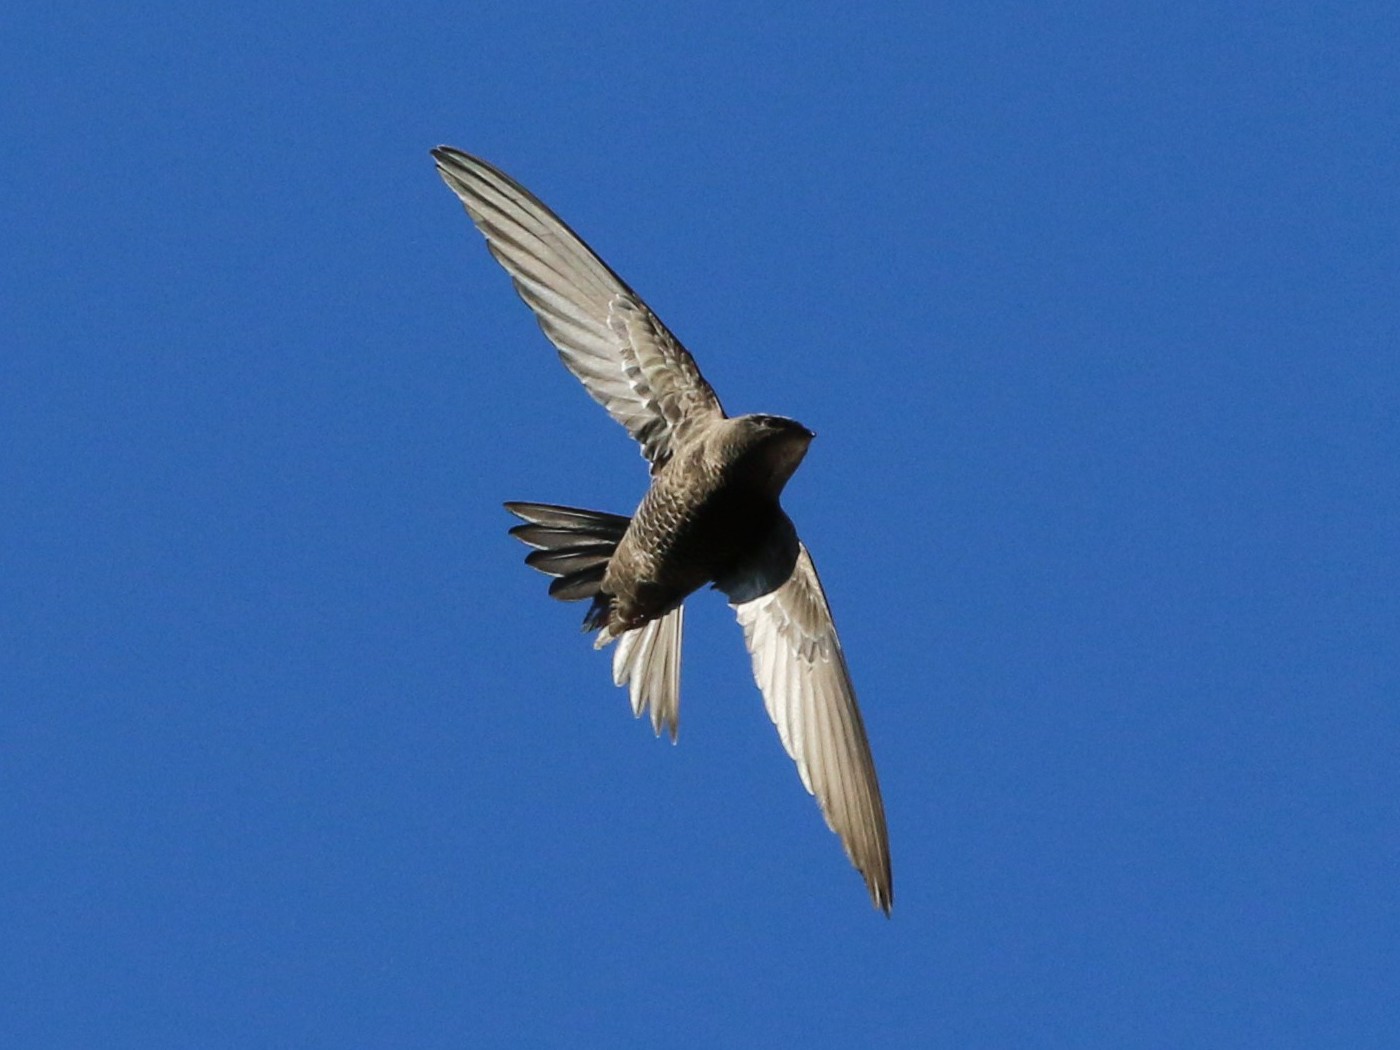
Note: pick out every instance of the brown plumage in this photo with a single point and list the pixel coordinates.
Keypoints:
(710, 516)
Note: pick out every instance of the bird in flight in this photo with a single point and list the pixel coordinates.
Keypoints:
(710, 516)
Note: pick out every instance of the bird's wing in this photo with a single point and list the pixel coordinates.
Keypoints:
(799, 666)
(648, 661)
(625, 357)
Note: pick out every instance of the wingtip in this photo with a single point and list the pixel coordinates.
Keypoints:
(882, 895)
(450, 160)
(660, 726)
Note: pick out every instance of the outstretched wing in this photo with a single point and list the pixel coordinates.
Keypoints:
(799, 666)
(625, 357)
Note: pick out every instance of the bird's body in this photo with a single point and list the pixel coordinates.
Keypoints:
(710, 516)
(712, 505)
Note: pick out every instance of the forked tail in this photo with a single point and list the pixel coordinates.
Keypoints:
(574, 546)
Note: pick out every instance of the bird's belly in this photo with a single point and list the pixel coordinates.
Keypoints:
(666, 556)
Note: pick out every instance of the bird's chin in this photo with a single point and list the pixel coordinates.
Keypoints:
(786, 457)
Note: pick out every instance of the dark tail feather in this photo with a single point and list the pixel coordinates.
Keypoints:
(574, 546)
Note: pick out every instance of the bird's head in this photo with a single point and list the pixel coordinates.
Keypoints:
(769, 449)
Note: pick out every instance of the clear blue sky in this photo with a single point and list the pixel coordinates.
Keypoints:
(1095, 309)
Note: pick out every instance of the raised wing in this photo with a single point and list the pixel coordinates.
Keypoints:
(799, 666)
(625, 357)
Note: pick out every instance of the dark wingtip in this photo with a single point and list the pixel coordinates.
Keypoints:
(883, 896)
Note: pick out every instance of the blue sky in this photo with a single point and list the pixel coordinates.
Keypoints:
(1094, 310)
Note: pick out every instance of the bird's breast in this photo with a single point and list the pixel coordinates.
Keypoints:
(690, 529)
